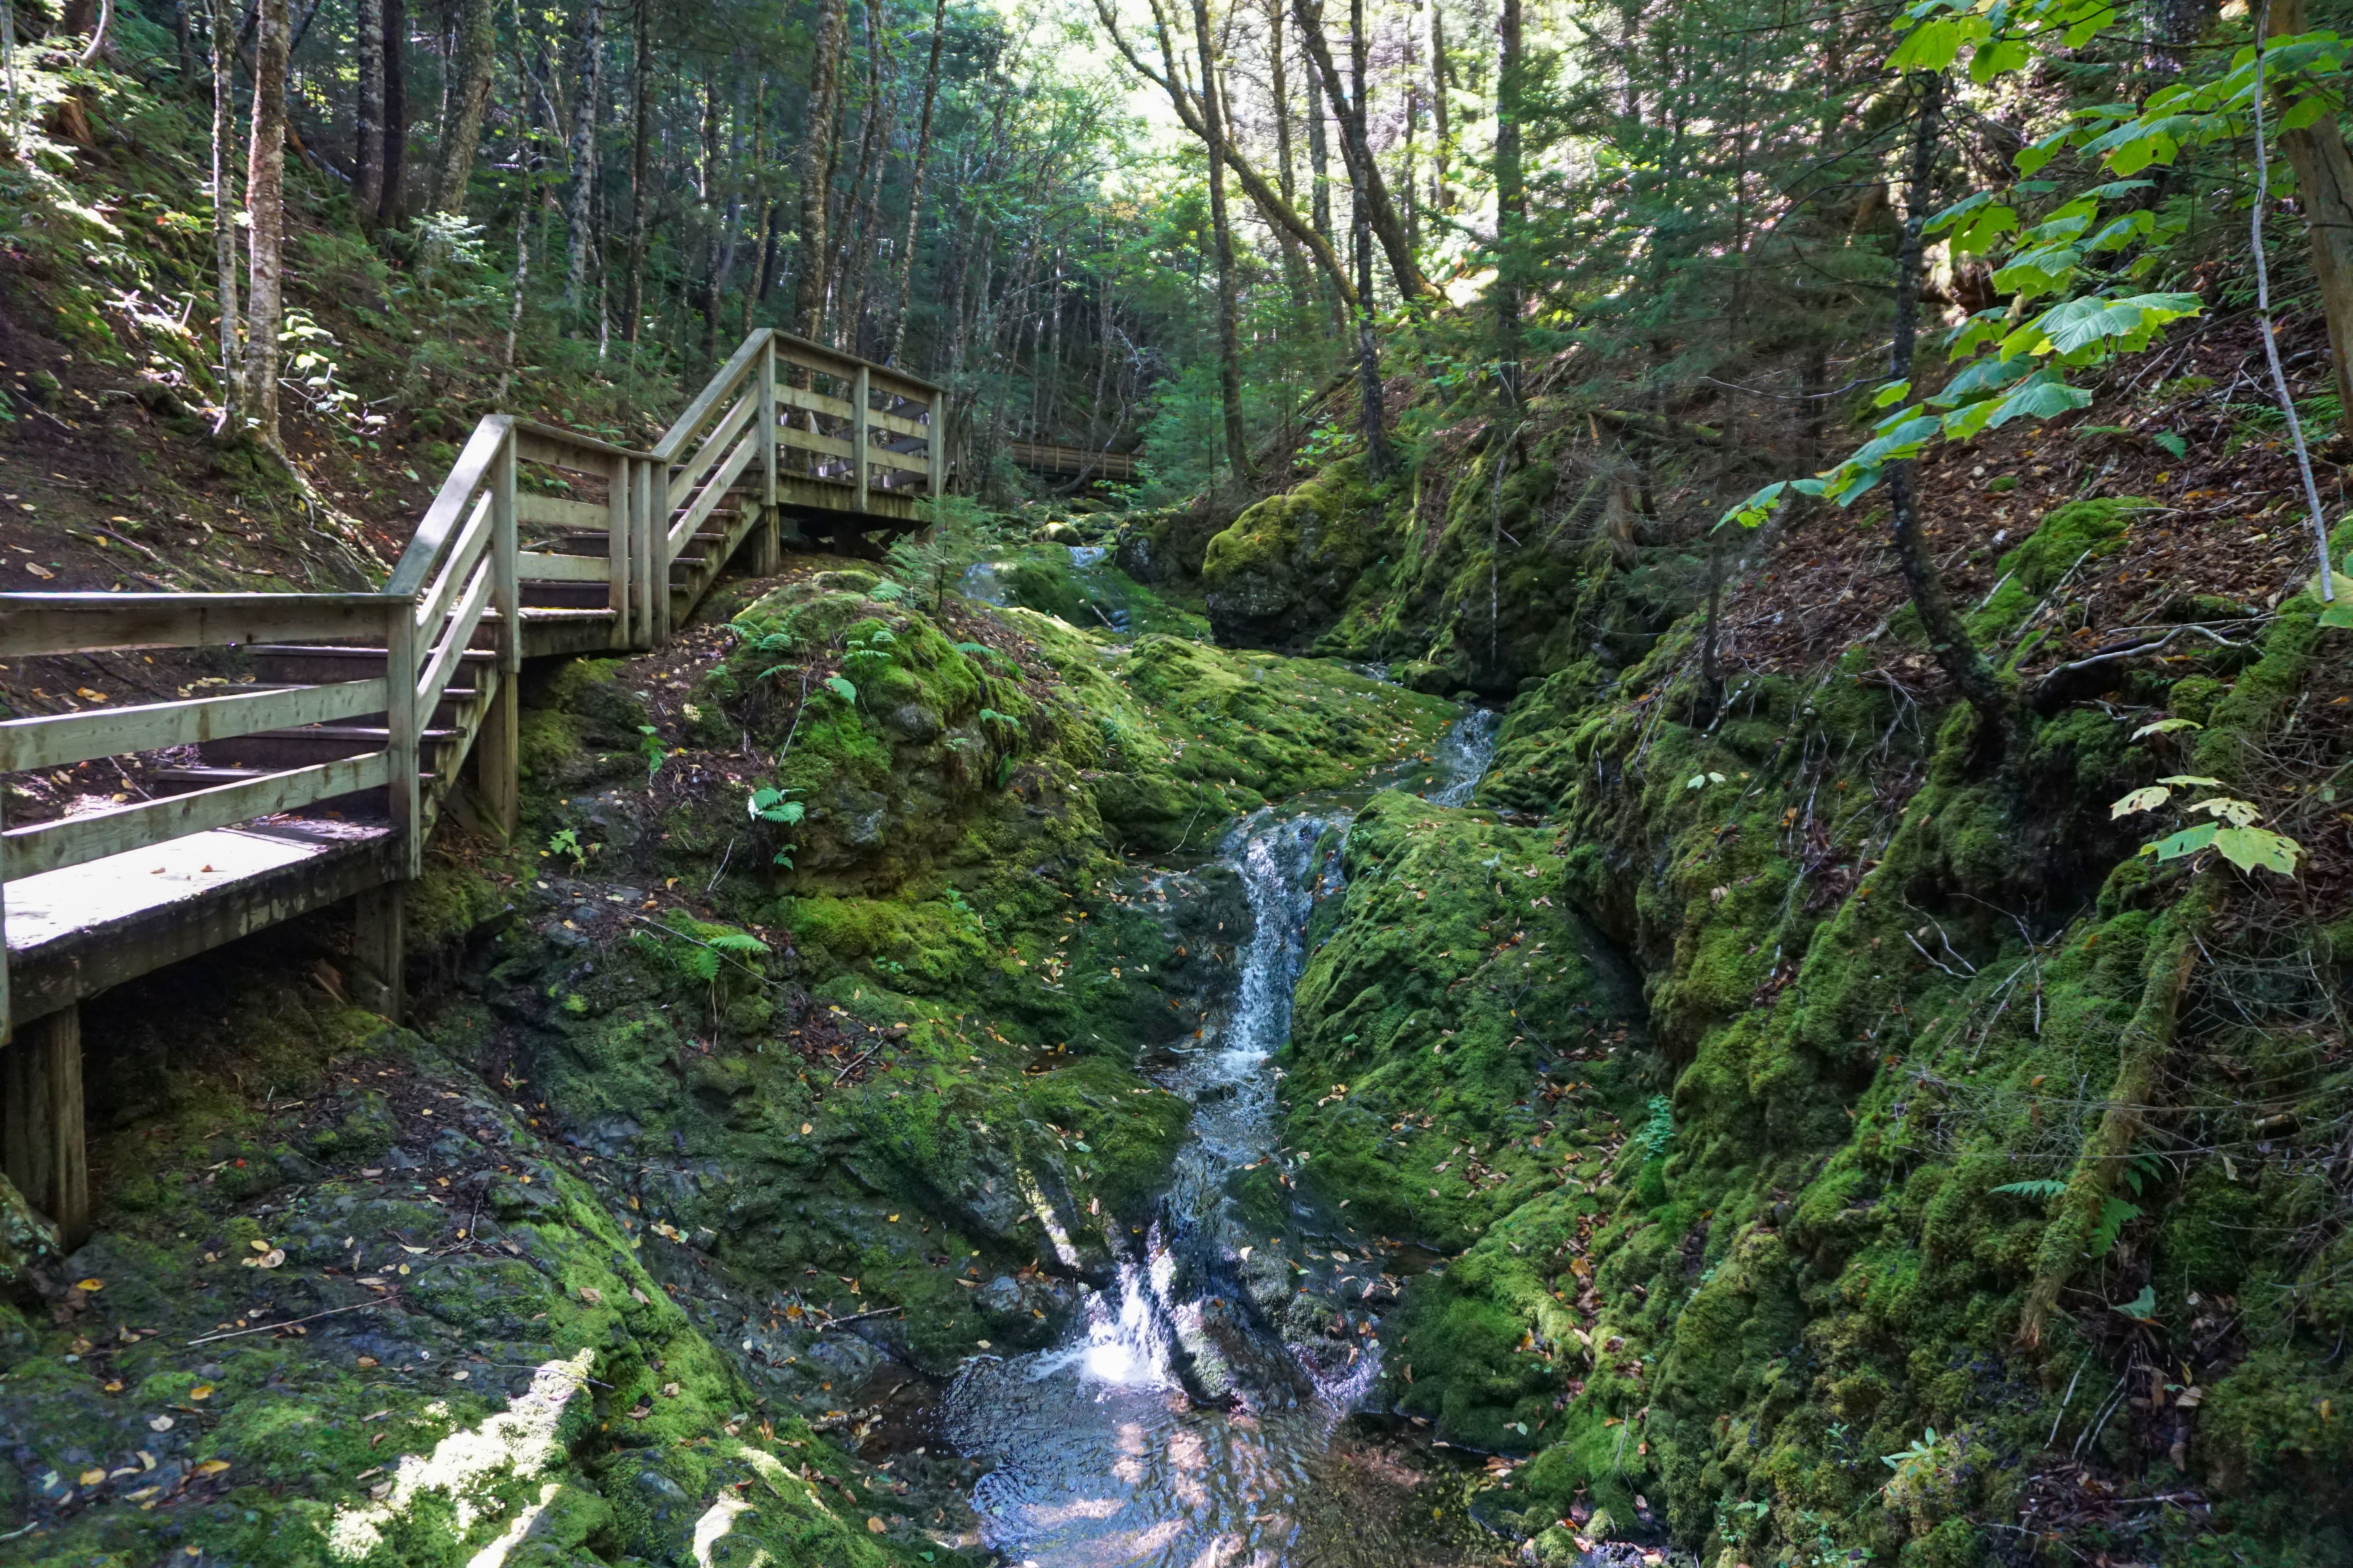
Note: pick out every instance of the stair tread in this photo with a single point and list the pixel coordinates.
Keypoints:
(335, 732)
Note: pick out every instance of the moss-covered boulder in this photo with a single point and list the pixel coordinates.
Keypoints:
(1281, 572)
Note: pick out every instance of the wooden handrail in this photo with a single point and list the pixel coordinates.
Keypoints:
(721, 387)
(59, 740)
(32, 624)
(451, 504)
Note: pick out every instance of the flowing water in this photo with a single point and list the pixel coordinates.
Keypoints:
(1175, 1425)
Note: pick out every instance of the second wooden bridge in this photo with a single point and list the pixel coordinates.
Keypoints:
(320, 782)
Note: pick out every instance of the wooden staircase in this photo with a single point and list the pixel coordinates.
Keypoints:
(319, 781)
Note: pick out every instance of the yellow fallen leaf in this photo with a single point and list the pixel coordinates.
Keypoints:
(874, 1524)
(92, 1477)
(91, 1284)
(201, 1391)
(895, 1219)
(258, 1245)
(807, 1130)
(212, 1467)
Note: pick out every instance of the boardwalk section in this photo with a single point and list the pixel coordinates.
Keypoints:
(318, 781)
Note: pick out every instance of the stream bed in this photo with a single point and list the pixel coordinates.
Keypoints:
(1188, 1417)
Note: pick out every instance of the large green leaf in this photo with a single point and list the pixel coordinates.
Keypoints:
(2040, 400)
(2249, 849)
(1930, 47)
(2189, 841)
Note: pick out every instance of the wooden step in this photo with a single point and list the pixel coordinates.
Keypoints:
(565, 597)
(295, 664)
(275, 751)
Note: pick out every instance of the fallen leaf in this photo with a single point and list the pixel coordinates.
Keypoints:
(590, 1294)
(212, 1467)
(874, 1524)
(91, 1284)
(201, 1391)
(92, 1477)
(160, 1424)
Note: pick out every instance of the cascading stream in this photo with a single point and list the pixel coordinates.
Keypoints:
(1173, 1424)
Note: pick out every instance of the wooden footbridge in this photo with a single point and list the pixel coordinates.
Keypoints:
(318, 781)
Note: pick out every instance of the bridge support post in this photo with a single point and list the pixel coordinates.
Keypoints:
(497, 778)
(41, 1135)
(379, 943)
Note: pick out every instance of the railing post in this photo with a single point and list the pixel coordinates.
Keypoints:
(497, 741)
(768, 425)
(938, 422)
(859, 416)
(654, 486)
(506, 589)
(401, 738)
(7, 1019)
(620, 561)
(765, 552)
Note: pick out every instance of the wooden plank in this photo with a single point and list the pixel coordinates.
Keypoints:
(720, 387)
(451, 506)
(379, 938)
(496, 748)
(836, 447)
(97, 622)
(459, 635)
(57, 739)
(506, 586)
(48, 845)
(705, 503)
(831, 445)
(560, 448)
(688, 478)
(465, 557)
(537, 567)
(860, 433)
(617, 560)
(792, 348)
(78, 932)
(561, 513)
(815, 402)
(46, 1157)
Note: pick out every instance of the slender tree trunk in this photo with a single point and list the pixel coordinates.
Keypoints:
(897, 341)
(182, 39)
(1442, 195)
(1319, 164)
(1380, 212)
(1511, 194)
(1948, 639)
(393, 205)
(2324, 189)
(587, 73)
(469, 94)
(514, 307)
(1294, 266)
(711, 223)
(756, 286)
(265, 201)
(1230, 343)
(641, 191)
(817, 166)
(1368, 353)
(367, 129)
(854, 200)
(225, 210)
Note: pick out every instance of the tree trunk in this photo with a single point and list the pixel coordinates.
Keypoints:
(225, 210)
(393, 205)
(1368, 354)
(641, 193)
(856, 199)
(755, 286)
(1948, 639)
(367, 127)
(1442, 195)
(1295, 267)
(817, 166)
(1511, 194)
(587, 73)
(264, 202)
(1230, 343)
(1319, 166)
(2324, 189)
(1278, 213)
(1355, 143)
(468, 96)
(712, 224)
(897, 341)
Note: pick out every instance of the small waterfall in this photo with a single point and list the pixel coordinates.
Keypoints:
(1172, 1427)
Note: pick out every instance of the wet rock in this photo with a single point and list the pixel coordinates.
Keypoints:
(915, 723)
(29, 1245)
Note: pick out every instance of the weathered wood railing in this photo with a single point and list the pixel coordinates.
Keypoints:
(460, 597)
